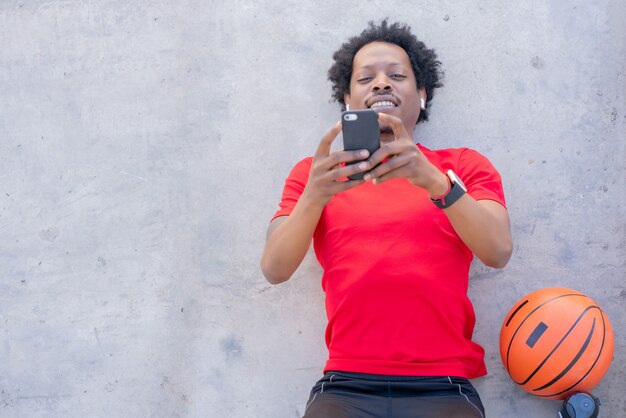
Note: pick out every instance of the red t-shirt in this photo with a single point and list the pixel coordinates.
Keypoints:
(396, 273)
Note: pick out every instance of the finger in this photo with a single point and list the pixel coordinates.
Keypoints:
(387, 166)
(400, 172)
(391, 149)
(348, 170)
(399, 131)
(386, 151)
(326, 142)
(394, 174)
(338, 157)
(341, 173)
(342, 186)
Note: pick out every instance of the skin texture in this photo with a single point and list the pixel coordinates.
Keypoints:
(381, 71)
(426, 68)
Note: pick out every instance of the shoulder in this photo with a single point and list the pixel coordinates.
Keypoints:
(304, 163)
(481, 178)
(456, 158)
(301, 168)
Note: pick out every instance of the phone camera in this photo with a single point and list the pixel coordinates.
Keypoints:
(350, 117)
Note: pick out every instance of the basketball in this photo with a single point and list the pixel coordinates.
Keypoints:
(555, 342)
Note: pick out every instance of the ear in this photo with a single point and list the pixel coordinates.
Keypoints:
(346, 98)
(421, 92)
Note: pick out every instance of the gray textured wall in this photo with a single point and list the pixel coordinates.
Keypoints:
(143, 148)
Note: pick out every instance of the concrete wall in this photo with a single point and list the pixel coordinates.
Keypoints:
(143, 148)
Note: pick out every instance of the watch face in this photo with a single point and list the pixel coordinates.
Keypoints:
(455, 179)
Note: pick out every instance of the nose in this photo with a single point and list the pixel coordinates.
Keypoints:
(381, 83)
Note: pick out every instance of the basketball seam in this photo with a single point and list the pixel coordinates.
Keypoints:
(594, 363)
(515, 312)
(574, 361)
(543, 362)
(508, 350)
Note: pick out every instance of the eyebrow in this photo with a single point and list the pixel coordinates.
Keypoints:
(390, 65)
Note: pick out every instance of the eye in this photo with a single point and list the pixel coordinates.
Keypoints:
(364, 79)
(398, 76)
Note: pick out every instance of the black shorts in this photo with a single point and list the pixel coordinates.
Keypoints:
(357, 395)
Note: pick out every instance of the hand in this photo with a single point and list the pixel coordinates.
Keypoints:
(405, 160)
(328, 168)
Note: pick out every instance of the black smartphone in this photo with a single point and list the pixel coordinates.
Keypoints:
(360, 131)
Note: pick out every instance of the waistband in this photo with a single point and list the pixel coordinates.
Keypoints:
(393, 378)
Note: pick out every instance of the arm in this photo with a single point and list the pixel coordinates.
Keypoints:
(482, 225)
(288, 240)
(289, 237)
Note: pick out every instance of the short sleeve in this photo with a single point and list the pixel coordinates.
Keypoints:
(481, 178)
(294, 186)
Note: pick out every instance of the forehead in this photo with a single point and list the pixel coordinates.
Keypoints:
(381, 53)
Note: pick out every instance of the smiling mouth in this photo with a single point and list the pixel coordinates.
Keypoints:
(386, 104)
(383, 102)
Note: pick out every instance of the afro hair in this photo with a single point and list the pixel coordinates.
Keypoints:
(426, 67)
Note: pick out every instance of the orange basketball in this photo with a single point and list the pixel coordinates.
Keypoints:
(556, 341)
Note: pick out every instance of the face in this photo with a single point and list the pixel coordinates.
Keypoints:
(383, 80)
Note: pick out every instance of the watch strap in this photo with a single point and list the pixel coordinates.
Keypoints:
(454, 193)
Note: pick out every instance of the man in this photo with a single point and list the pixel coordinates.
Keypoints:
(396, 246)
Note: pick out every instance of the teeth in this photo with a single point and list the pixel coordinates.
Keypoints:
(382, 104)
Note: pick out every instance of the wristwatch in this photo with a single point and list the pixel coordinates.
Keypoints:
(456, 190)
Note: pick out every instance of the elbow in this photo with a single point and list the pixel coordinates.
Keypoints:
(274, 279)
(271, 274)
(499, 258)
(496, 263)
